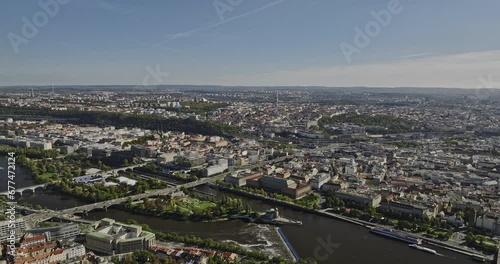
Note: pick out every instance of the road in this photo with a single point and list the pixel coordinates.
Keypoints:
(48, 214)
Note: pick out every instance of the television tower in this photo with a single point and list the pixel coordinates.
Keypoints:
(277, 101)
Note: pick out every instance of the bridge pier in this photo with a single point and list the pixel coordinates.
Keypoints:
(84, 209)
(31, 189)
(22, 191)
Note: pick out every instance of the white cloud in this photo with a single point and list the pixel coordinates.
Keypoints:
(448, 71)
(414, 55)
(188, 33)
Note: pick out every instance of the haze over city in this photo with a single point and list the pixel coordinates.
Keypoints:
(249, 132)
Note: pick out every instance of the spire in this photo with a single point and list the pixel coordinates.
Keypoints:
(277, 101)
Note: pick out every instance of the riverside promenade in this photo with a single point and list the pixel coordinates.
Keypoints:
(368, 225)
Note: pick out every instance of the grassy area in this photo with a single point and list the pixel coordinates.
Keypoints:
(47, 177)
(310, 201)
(201, 107)
(48, 224)
(489, 243)
(189, 205)
(480, 242)
(437, 234)
(182, 209)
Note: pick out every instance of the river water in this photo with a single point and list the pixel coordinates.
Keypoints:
(326, 240)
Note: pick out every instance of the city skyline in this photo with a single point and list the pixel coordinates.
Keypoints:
(250, 131)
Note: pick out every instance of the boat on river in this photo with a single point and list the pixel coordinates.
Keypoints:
(428, 250)
(396, 234)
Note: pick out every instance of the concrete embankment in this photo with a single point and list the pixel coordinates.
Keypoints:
(295, 206)
(454, 248)
(288, 244)
(366, 224)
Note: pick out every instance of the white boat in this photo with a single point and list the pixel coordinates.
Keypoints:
(428, 250)
(396, 234)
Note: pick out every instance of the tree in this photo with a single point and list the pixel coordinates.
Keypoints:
(469, 213)
(371, 211)
(128, 260)
(115, 260)
(248, 209)
(142, 256)
(141, 207)
(159, 204)
(470, 238)
(404, 224)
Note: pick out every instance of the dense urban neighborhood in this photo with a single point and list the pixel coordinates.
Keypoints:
(423, 165)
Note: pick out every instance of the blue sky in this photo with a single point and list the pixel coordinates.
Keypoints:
(428, 43)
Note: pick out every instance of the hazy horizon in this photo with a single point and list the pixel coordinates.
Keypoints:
(380, 43)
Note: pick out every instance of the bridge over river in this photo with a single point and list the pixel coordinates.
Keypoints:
(43, 186)
(48, 214)
(32, 189)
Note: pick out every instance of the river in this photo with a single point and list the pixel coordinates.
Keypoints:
(349, 243)
(47, 198)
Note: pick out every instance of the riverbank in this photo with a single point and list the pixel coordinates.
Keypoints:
(430, 241)
(272, 243)
(368, 225)
(305, 239)
(295, 206)
(289, 247)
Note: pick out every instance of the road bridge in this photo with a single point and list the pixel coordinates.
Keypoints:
(43, 186)
(46, 215)
(30, 189)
